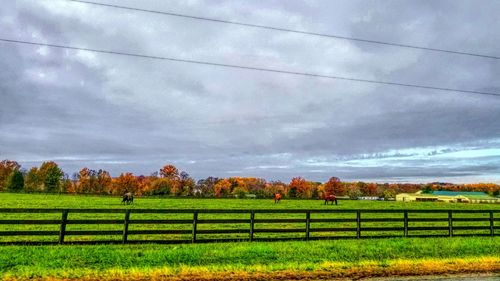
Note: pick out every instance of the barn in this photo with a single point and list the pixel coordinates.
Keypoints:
(448, 196)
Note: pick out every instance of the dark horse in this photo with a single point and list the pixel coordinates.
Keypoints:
(277, 197)
(331, 198)
(128, 198)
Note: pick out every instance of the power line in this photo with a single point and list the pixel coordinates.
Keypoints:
(273, 70)
(291, 30)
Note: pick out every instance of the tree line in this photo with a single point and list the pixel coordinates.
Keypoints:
(169, 181)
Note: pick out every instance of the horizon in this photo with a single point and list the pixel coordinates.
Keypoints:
(122, 113)
(25, 169)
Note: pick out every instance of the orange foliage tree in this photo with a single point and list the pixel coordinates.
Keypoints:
(126, 182)
(334, 186)
(298, 188)
(169, 171)
(222, 188)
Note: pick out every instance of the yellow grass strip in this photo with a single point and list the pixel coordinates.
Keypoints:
(325, 270)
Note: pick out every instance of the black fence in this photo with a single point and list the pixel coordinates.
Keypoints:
(20, 226)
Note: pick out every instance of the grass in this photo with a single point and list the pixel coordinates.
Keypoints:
(9, 200)
(200, 260)
(12, 200)
(227, 261)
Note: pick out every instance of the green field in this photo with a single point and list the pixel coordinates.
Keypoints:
(73, 201)
(324, 256)
(13, 200)
(365, 257)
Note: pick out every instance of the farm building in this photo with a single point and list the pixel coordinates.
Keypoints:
(448, 196)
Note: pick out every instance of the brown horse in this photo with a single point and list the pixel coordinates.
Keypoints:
(277, 198)
(330, 197)
(128, 198)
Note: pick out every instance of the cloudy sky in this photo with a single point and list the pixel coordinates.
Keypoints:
(130, 114)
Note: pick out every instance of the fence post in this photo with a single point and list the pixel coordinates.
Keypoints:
(195, 224)
(358, 224)
(492, 225)
(406, 223)
(450, 224)
(252, 224)
(308, 224)
(62, 230)
(125, 227)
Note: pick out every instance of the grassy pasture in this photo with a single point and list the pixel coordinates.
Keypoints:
(227, 261)
(9, 200)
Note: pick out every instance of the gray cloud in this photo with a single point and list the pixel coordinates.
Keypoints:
(126, 114)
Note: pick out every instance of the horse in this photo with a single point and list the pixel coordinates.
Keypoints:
(331, 198)
(128, 198)
(277, 198)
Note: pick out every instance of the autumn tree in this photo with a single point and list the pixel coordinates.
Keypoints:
(169, 171)
(255, 186)
(353, 191)
(298, 187)
(103, 182)
(274, 187)
(314, 190)
(50, 175)
(126, 182)
(162, 186)
(6, 169)
(67, 184)
(33, 183)
(369, 189)
(334, 186)
(86, 180)
(222, 188)
(206, 187)
(187, 184)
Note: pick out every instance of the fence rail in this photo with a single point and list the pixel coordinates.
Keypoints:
(402, 223)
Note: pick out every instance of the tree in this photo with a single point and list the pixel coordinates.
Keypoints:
(222, 188)
(353, 191)
(388, 194)
(169, 171)
(104, 181)
(274, 187)
(86, 180)
(161, 186)
(67, 184)
(15, 182)
(206, 187)
(187, 184)
(298, 187)
(369, 189)
(50, 175)
(33, 183)
(126, 182)
(6, 169)
(334, 186)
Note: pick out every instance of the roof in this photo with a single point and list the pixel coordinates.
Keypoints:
(455, 193)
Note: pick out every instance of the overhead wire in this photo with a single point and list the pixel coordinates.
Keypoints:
(303, 32)
(245, 67)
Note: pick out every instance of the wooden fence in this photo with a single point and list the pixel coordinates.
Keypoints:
(399, 223)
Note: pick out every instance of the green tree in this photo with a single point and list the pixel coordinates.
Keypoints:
(15, 181)
(51, 176)
(33, 182)
(389, 194)
(354, 191)
(6, 169)
(162, 186)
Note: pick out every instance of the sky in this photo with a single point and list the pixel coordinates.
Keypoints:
(125, 114)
